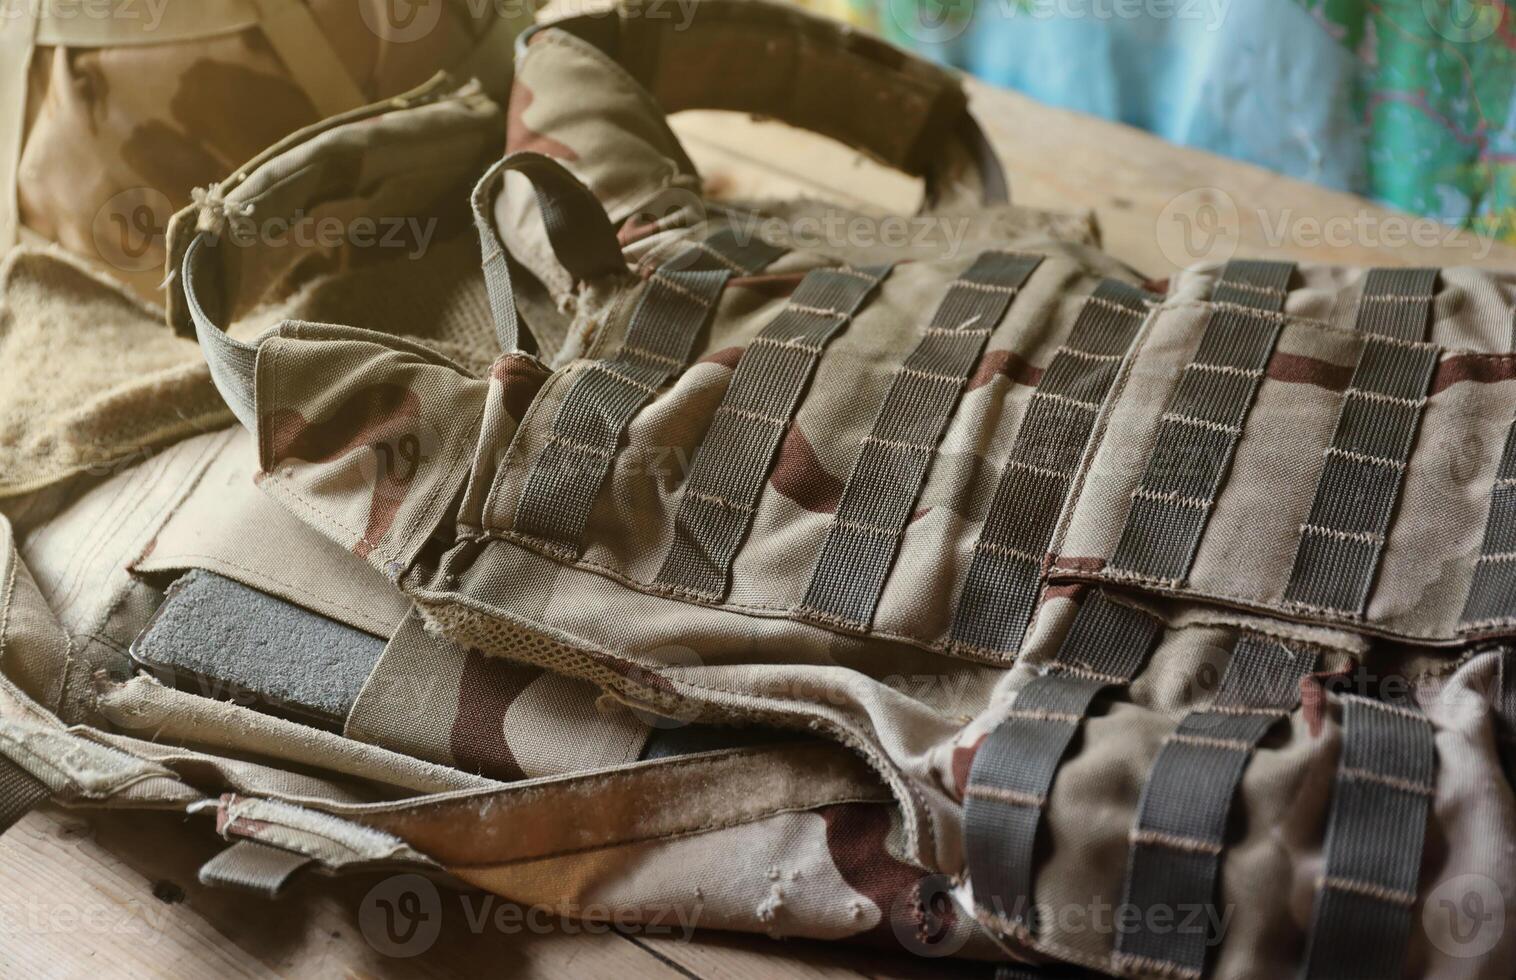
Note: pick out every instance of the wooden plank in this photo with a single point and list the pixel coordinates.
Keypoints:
(1146, 193)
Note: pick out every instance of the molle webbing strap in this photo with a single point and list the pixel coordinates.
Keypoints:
(1375, 831)
(1200, 430)
(876, 503)
(1504, 702)
(1342, 539)
(1000, 590)
(1014, 769)
(1180, 831)
(577, 228)
(733, 461)
(673, 309)
(1492, 595)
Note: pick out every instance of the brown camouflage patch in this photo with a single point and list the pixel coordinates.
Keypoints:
(486, 691)
(800, 476)
(1482, 368)
(519, 136)
(1300, 369)
(855, 837)
(1004, 363)
(521, 377)
(382, 417)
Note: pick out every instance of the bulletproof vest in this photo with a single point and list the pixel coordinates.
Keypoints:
(977, 599)
(111, 114)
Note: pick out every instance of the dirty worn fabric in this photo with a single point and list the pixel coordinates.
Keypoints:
(1033, 555)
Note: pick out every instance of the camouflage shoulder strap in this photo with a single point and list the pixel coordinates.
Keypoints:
(778, 61)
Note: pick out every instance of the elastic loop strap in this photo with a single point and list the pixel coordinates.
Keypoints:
(581, 235)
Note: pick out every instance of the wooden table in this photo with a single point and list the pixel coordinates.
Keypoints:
(86, 895)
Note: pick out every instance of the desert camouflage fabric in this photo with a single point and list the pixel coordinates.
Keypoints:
(124, 110)
(1152, 630)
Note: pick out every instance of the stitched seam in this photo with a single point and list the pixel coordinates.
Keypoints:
(1180, 418)
(1048, 471)
(987, 287)
(654, 356)
(1005, 549)
(1227, 369)
(818, 311)
(717, 500)
(680, 289)
(1375, 396)
(1211, 742)
(1358, 457)
(1357, 537)
(1075, 353)
(1010, 797)
(1115, 306)
(1249, 287)
(604, 367)
(584, 447)
(1390, 896)
(955, 380)
(1091, 407)
(1173, 497)
(796, 343)
(1174, 842)
(1392, 782)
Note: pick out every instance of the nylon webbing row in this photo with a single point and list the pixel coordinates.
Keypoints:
(675, 306)
(876, 503)
(1180, 831)
(1492, 595)
(1343, 537)
(1504, 715)
(1200, 430)
(20, 791)
(1014, 769)
(1000, 590)
(1375, 831)
(735, 456)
